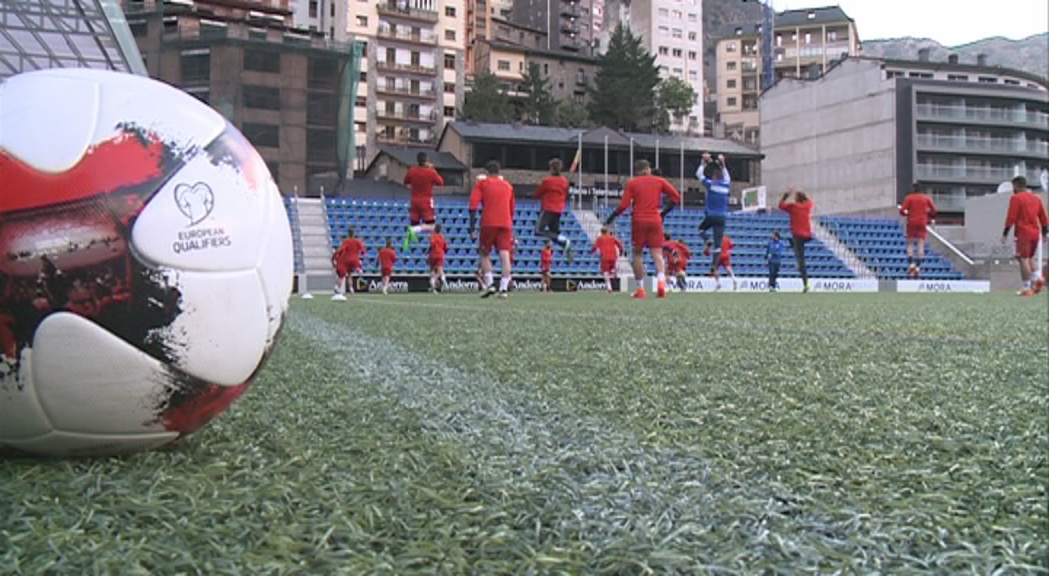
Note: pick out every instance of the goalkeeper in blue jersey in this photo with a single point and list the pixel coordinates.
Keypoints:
(715, 177)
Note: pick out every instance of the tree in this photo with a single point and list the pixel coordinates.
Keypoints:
(676, 98)
(624, 91)
(572, 114)
(487, 100)
(537, 107)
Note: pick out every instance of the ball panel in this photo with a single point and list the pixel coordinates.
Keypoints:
(209, 215)
(60, 443)
(220, 335)
(21, 416)
(42, 125)
(88, 380)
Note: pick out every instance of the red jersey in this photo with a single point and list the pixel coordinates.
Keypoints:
(351, 250)
(497, 196)
(421, 180)
(682, 251)
(1027, 213)
(643, 194)
(918, 208)
(546, 258)
(726, 246)
(800, 217)
(387, 256)
(438, 246)
(553, 193)
(609, 246)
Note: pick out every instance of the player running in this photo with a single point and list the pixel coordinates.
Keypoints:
(773, 256)
(552, 193)
(920, 211)
(387, 257)
(546, 260)
(643, 194)
(435, 260)
(610, 249)
(724, 261)
(421, 178)
(497, 226)
(1028, 215)
(347, 262)
(718, 182)
(799, 207)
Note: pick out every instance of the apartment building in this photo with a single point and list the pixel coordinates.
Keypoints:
(569, 25)
(280, 86)
(807, 42)
(861, 135)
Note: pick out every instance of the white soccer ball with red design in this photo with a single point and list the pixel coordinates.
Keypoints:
(146, 263)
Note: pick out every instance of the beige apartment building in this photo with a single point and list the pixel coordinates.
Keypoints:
(807, 42)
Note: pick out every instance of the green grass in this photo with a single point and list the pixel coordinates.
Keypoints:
(587, 434)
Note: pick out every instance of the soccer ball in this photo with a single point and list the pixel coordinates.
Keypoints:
(146, 263)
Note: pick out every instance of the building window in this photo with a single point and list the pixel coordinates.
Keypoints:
(362, 21)
(449, 35)
(361, 127)
(676, 33)
(677, 52)
(663, 13)
(449, 111)
(808, 37)
(449, 87)
(731, 102)
(988, 80)
(691, 54)
(957, 77)
(503, 65)
(731, 66)
(664, 30)
(663, 50)
(676, 15)
(832, 36)
(546, 69)
(678, 72)
(196, 66)
(261, 97)
(364, 49)
(730, 47)
(692, 36)
(138, 29)
(449, 11)
(362, 102)
(262, 135)
(449, 61)
(1012, 82)
(693, 75)
(313, 9)
(262, 61)
(731, 84)
(692, 18)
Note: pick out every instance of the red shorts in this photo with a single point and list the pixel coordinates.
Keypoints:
(608, 266)
(344, 267)
(646, 234)
(1026, 247)
(919, 231)
(421, 210)
(725, 261)
(435, 261)
(387, 271)
(501, 239)
(544, 269)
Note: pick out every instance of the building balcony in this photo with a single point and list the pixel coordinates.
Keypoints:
(406, 117)
(968, 174)
(392, 10)
(426, 94)
(966, 114)
(1010, 147)
(416, 39)
(949, 202)
(411, 69)
(569, 10)
(404, 139)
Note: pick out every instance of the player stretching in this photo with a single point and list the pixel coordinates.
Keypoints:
(773, 255)
(920, 212)
(497, 226)
(438, 248)
(799, 207)
(546, 260)
(421, 178)
(387, 257)
(1027, 214)
(716, 179)
(643, 194)
(724, 261)
(609, 249)
(552, 193)
(347, 262)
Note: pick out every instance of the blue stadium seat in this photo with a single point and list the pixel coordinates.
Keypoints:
(882, 246)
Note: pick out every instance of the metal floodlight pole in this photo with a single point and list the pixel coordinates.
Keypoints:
(631, 157)
(657, 152)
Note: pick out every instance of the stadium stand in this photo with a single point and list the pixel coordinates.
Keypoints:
(296, 233)
(377, 220)
(881, 244)
(750, 232)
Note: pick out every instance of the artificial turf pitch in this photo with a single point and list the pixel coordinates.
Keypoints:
(588, 434)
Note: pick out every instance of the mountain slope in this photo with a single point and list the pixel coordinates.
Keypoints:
(1029, 55)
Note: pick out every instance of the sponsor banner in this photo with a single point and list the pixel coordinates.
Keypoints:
(466, 284)
(943, 286)
(753, 284)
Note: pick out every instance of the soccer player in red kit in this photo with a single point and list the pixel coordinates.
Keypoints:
(552, 193)
(347, 263)
(496, 195)
(421, 178)
(643, 195)
(546, 260)
(609, 249)
(387, 258)
(799, 207)
(681, 257)
(724, 261)
(1027, 214)
(435, 261)
(920, 211)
